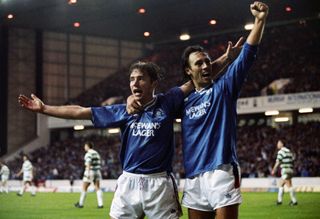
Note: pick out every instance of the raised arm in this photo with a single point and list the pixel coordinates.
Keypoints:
(34, 104)
(260, 11)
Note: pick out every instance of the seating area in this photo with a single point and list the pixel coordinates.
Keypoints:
(286, 52)
(256, 152)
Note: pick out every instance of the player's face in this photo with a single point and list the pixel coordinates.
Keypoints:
(200, 69)
(279, 144)
(86, 147)
(141, 86)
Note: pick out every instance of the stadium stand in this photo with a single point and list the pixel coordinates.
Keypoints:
(287, 52)
(256, 150)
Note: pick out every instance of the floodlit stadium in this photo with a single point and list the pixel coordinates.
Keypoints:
(72, 71)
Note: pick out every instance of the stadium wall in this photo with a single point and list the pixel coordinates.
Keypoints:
(283, 102)
(301, 184)
(43, 134)
(66, 65)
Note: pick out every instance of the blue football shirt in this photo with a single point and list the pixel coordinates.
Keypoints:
(147, 139)
(209, 118)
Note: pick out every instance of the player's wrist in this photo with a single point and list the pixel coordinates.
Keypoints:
(229, 58)
(261, 19)
(43, 107)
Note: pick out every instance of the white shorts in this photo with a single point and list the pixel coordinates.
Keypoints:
(27, 176)
(91, 176)
(153, 195)
(211, 190)
(286, 174)
(4, 178)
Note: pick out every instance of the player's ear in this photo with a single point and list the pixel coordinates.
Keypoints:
(187, 70)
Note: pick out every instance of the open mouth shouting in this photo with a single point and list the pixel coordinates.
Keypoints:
(137, 92)
(206, 75)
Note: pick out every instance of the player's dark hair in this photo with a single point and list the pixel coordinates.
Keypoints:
(185, 57)
(149, 68)
(90, 144)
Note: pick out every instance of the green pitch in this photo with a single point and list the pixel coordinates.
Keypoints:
(60, 206)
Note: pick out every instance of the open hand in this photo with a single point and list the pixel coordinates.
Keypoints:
(233, 51)
(34, 104)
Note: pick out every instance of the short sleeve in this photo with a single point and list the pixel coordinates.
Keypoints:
(109, 116)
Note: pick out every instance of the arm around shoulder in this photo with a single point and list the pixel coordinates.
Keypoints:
(187, 87)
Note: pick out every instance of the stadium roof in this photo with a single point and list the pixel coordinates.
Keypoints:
(165, 20)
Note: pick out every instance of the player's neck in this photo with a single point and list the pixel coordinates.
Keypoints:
(199, 87)
(147, 102)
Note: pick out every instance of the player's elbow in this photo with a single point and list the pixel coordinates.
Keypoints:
(82, 113)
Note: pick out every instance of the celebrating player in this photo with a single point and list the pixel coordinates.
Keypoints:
(212, 187)
(145, 186)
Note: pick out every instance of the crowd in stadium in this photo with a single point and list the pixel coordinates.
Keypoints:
(281, 57)
(256, 151)
(257, 148)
